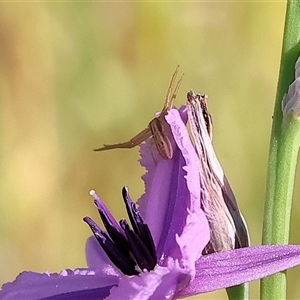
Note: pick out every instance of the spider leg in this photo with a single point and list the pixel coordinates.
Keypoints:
(135, 141)
(172, 100)
(169, 91)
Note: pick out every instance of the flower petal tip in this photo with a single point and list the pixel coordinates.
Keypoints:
(290, 104)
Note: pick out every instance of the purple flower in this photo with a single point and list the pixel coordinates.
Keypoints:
(160, 256)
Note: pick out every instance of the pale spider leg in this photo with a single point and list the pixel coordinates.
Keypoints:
(136, 140)
(162, 142)
(170, 102)
(175, 91)
(155, 127)
(169, 91)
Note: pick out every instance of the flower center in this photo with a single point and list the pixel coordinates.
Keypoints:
(131, 250)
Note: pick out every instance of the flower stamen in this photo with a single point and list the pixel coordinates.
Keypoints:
(131, 250)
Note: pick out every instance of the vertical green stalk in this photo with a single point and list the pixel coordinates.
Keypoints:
(238, 292)
(284, 145)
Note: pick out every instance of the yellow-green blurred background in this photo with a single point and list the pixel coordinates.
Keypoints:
(77, 75)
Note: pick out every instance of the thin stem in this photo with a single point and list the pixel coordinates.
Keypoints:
(238, 292)
(284, 147)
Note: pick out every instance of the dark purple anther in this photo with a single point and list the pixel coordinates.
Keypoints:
(131, 250)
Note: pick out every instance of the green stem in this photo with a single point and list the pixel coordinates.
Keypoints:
(238, 292)
(284, 147)
(285, 173)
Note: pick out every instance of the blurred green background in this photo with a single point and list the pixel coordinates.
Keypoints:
(77, 75)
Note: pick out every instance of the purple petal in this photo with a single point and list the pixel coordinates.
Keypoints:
(79, 284)
(161, 192)
(165, 281)
(172, 187)
(195, 234)
(229, 268)
(161, 283)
